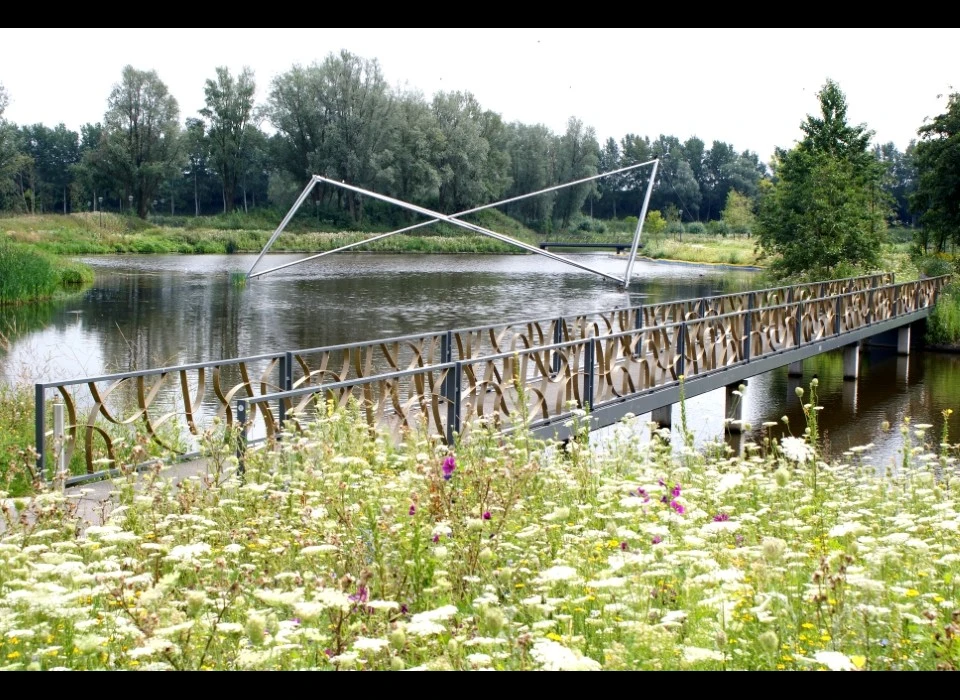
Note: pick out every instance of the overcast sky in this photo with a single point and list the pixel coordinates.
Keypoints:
(750, 88)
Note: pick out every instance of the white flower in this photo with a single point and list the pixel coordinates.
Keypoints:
(834, 660)
(479, 660)
(317, 549)
(796, 449)
(693, 655)
(188, 552)
(442, 613)
(557, 573)
(556, 657)
(369, 644)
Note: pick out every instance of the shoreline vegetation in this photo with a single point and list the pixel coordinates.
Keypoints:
(29, 274)
(348, 550)
(111, 234)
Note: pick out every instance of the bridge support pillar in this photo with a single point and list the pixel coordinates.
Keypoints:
(851, 361)
(903, 340)
(663, 416)
(795, 369)
(734, 406)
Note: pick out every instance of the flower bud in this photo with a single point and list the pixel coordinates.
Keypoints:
(398, 638)
(256, 628)
(769, 642)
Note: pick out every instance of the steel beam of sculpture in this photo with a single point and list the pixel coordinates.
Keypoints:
(454, 219)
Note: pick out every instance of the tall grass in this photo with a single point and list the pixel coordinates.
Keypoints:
(25, 274)
(28, 275)
(943, 324)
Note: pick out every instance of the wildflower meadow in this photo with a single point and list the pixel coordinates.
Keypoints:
(343, 549)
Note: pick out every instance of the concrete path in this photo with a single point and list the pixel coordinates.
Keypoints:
(95, 500)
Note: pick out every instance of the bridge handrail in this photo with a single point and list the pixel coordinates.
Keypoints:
(286, 360)
(589, 355)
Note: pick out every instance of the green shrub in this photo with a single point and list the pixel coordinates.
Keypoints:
(718, 228)
(26, 274)
(943, 324)
(934, 266)
(675, 227)
(696, 227)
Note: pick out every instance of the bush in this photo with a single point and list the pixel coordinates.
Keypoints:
(696, 227)
(934, 266)
(718, 228)
(674, 227)
(943, 324)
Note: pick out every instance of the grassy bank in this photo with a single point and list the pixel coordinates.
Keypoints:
(29, 275)
(344, 551)
(82, 234)
(702, 248)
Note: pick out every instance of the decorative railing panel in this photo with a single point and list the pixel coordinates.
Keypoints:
(441, 381)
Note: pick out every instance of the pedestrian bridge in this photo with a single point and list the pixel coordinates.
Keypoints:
(534, 372)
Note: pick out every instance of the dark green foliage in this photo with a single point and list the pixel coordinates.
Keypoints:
(826, 209)
(937, 160)
(696, 227)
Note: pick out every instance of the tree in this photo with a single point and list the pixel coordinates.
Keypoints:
(826, 208)
(461, 159)
(414, 177)
(532, 168)
(229, 108)
(577, 157)
(54, 153)
(140, 145)
(11, 159)
(738, 213)
(937, 161)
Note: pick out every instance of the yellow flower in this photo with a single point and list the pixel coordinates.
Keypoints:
(938, 599)
(912, 593)
(555, 637)
(13, 655)
(807, 626)
(824, 637)
(859, 661)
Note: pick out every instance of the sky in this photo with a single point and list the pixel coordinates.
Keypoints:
(748, 87)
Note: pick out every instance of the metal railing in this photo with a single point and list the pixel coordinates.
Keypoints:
(174, 405)
(537, 386)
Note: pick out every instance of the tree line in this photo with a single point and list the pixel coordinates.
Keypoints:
(340, 118)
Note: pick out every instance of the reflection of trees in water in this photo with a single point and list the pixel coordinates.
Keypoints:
(17, 322)
(890, 388)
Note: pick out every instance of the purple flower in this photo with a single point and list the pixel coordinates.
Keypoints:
(360, 596)
(677, 507)
(643, 494)
(739, 540)
(623, 546)
(486, 515)
(404, 609)
(664, 499)
(721, 518)
(675, 491)
(449, 464)
(436, 538)
(413, 509)
(657, 539)
(662, 483)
